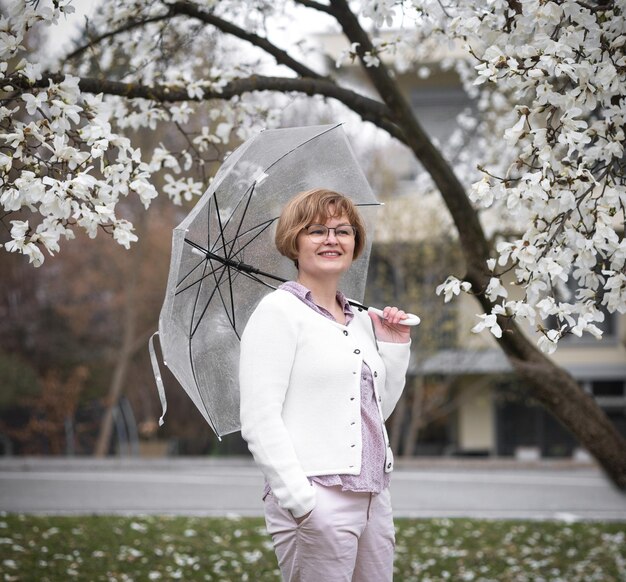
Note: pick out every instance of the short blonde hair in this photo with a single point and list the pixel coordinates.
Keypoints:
(311, 207)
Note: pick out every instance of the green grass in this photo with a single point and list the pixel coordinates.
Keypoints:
(112, 548)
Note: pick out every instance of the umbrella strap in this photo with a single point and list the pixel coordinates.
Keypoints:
(157, 376)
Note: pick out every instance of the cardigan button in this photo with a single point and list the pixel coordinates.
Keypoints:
(345, 332)
(388, 465)
(375, 374)
(357, 351)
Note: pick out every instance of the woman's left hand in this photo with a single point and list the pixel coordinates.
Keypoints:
(388, 328)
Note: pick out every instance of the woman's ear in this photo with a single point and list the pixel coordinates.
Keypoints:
(295, 259)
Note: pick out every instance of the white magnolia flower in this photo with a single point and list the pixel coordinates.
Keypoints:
(495, 289)
(195, 90)
(19, 229)
(451, 287)
(481, 192)
(513, 134)
(122, 233)
(204, 140)
(222, 131)
(351, 53)
(490, 322)
(371, 60)
(146, 191)
(380, 11)
(548, 342)
(162, 158)
(181, 112)
(31, 71)
(34, 102)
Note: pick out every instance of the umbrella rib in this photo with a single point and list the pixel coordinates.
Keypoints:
(232, 214)
(228, 247)
(208, 221)
(191, 360)
(207, 408)
(239, 268)
(198, 280)
(202, 261)
(263, 226)
(243, 215)
(302, 144)
(255, 278)
(221, 236)
(258, 280)
(209, 255)
(206, 306)
(219, 291)
(238, 265)
(233, 319)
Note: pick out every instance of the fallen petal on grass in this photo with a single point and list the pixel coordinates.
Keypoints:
(107, 548)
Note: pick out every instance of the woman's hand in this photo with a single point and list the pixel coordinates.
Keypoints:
(388, 328)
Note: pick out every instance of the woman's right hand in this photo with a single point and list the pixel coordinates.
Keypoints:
(388, 328)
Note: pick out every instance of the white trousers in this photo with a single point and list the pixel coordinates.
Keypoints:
(348, 537)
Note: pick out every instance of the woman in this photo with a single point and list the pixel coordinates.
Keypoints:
(316, 384)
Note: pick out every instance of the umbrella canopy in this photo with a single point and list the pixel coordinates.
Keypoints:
(224, 259)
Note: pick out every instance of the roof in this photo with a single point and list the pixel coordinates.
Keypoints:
(475, 362)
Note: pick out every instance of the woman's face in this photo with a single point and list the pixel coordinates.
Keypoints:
(332, 256)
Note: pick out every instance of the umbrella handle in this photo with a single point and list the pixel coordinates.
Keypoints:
(411, 319)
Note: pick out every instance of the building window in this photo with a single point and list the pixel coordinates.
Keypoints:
(608, 388)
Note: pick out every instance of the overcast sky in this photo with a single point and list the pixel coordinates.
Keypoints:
(69, 26)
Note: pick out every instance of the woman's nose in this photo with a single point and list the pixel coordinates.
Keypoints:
(331, 236)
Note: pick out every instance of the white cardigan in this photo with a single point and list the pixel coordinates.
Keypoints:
(300, 375)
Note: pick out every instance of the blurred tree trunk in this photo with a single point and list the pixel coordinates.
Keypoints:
(397, 422)
(126, 351)
(415, 417)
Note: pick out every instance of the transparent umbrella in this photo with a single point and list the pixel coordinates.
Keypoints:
(224, 259)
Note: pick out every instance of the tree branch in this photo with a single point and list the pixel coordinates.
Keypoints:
(128, 26)
(281, 56)
(369, 109)
(316, 6)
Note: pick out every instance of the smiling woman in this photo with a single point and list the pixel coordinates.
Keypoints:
(317, 382)
(325, 249)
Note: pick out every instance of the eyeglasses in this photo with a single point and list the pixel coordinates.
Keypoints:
(319, 232)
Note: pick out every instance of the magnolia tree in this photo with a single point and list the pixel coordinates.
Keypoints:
(547, 155)
(563, 66)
